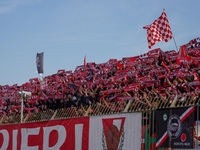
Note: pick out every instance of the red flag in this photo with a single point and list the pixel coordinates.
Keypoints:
(182, 55)
(85, 60)
(159, 30)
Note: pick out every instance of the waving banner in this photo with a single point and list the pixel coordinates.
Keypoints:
(159, 30)
(39, 62)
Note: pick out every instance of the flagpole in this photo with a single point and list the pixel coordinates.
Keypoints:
(175, 43)
(173, 37)
(85, 60)
(40, 76)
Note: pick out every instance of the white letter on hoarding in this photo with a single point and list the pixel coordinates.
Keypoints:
(14, 145)
(5, 139)
(61, 137)
(78, 136)
(25, 133)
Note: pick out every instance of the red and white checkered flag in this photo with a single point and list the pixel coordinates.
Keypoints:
(159, 30)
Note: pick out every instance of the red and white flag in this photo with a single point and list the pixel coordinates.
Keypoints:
(182, 57)
(159, 30)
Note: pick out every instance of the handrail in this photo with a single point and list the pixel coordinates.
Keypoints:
(104, 108)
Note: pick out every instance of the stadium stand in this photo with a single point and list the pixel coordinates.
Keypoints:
(154, 79)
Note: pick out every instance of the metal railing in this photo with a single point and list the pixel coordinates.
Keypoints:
(104, 108)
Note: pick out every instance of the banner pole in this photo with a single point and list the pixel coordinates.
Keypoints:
(175, 43)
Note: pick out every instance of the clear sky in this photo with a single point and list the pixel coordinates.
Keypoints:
(67, 30)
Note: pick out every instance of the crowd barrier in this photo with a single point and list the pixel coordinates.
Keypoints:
(131, 106)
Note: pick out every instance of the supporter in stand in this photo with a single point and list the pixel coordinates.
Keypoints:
(62, 103)
(50, 104)
(71, 100)
(155, 74)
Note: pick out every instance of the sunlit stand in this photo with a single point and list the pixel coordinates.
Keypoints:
(23, 95)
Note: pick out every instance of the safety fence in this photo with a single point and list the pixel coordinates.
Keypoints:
(130, 104)
(148, 106)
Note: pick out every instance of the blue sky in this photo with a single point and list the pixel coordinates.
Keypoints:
(66, 30)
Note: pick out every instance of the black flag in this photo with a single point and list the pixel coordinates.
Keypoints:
(39, 62)
(175, 127)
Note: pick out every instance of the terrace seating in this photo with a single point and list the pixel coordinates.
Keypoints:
(153, 74)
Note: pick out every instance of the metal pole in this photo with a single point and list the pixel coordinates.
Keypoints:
(22, 104)
(175, 44)
(197, 125)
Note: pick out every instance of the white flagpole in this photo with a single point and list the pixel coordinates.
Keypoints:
(175, 43)
(173, 36)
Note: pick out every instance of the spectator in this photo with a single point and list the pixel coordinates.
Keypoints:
(155, 74)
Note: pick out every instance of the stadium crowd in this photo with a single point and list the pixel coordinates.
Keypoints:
(156, 73)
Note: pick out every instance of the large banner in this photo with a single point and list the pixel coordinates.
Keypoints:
(115, 132)
(71, 134)
(175, 127)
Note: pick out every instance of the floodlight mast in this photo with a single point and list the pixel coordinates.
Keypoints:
(23, 95)
(22, 105)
